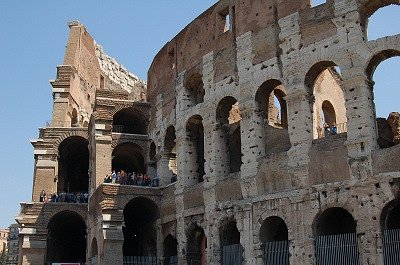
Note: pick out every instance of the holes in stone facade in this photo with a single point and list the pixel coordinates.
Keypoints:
(324, 84)
(73, 165)
(140, 233)
(195, 134)
(196, 246)
(131, 121)
(229, 144)
(66, 238)
(128, 157)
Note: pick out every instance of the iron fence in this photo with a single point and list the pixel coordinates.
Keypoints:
(139, 260)
(232, 254)
(277, 253)
(391, 246)
(337, 250)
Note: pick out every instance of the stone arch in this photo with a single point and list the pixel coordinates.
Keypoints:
(377, 58)
(195, 136)
(334, 221)
(329, 113)
(52, 210)
(229, 239)
(195, 87)
(228, 129)
(130, 120)
(390, 227)
(128, 157)
(66, 238)
(378, 22)
(390, 215)
(370, 7)
(73, 165)
(153, 151)
(62, 137)
(324, 83)
(274, 238)
(170, 245)
(140, 233)
(196, 244)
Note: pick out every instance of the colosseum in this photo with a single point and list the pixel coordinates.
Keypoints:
(254, 141)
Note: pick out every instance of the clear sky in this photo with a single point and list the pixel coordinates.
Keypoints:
(33, 36)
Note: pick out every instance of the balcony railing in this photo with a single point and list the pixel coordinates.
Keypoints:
(130, 129)
(332, 130)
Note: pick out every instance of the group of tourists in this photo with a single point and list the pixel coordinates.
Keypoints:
(67, 197)
(330, 130)
(136, 179)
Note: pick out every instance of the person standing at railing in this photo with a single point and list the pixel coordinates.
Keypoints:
(333, 129)
(113, 177)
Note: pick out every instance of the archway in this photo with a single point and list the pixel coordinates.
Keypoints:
(94, 252)
(379, 19)
(195, 134)
(195, 88)
(229, 137)
(129, 158)
(130, 120)
(232, 250)
(336, 237)
(73, 165)
(140, 233)
(274, 239)
(382, 70)
(196, 246)
(170, 153)
(170, 250)
(324, 84)
(66, 238)
(390, 224)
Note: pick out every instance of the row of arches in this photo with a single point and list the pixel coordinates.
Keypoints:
(66, 238)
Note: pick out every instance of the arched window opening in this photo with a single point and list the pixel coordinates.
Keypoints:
(140, 232)
(382, 71)
(380, 23)
(170, 153)
(229, 147)
(66, 239)
(229, 237)
(127, 157)
(152, 153)
(74, 118)
(94, 252)
(390, 222)
(170, 250)
(324, 84)
(195, 133)
(196, 246)
(336, 236)
(274, 239)
(131, 121)
(195, 88)
(73, 165)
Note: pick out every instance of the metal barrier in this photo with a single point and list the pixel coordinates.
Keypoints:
(173, 260)
(337, 250)
(277, 253)
(232, 254)
(140, 260)
(391, 247)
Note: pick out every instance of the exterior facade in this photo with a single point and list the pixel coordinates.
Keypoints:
(258, 132)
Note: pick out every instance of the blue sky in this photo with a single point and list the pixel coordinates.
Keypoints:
(33, 35)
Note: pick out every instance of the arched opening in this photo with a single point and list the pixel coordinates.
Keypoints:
(73, 165)
(128, 157)
(170, 153)
(274, 239)
(140, 232)
(66, 238)
(94, 252)
(383, 72)
(317, 2)
(390, 223)
(231, 249)
(324, 84)
(195, 88)
(196, 246)
(195, 134)
(152, 153)
(336, 237)
(272, 116)
(170, 250)
(380, 22)
(152, 164)
(229, 141)
(130, 120)
(74, 118)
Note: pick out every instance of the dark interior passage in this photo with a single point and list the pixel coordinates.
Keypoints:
(335, 221)
(66, 238)
(128, 157)
(196, 246)
(130, 121)
(273, 229)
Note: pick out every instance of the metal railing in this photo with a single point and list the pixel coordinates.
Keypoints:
(337, 250)
(391, 246)
(173, 260)
(232, 254)
(277, 253)
(129, 129)
(139, 260)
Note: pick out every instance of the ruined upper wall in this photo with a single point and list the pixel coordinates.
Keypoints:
(118, 76)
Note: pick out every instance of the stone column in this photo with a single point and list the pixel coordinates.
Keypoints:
(45, 174)
(33, 247)
(300, 127)
(220, 166)
(361, 122)
(101, 160)
(163, 171)
(112, 247)
(245, 226)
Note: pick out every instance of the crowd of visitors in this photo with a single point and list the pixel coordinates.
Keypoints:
(136, 179)
(68, 197)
